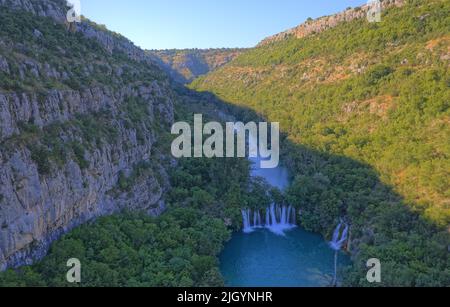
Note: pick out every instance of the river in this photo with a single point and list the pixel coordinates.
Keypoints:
(278, 255)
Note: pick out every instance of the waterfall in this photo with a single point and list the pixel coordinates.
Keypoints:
(246, 219)
(278, 219)
(338, 240)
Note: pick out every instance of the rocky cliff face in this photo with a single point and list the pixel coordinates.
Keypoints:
(57, 11)
(44, 8)
(36, 207)
(186, 65)
(82, 115)
(327, 22)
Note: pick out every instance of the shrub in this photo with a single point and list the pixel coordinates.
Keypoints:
(40, 154)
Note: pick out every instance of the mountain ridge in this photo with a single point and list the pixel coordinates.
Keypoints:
(327, 22)
(184, 65)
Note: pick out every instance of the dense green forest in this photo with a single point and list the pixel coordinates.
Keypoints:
(365, 107)
(179, 248)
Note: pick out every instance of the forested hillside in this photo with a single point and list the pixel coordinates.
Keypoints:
(365, 107)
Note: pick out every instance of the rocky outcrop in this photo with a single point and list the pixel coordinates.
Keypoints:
(35, 208)
(113, 42)
(186, 65)
(57, 10)
(4, 67)
(70, 154)
(54, 9)
(324, 23)
(63, 105)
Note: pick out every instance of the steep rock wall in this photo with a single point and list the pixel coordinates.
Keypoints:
(67, 154)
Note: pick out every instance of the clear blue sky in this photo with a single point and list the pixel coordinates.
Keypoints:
(165, 24)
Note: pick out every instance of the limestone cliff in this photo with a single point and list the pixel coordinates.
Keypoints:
(186, 65)
(83, 113)
(322, 24)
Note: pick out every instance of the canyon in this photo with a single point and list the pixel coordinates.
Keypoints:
(85, 120)
(186, 65)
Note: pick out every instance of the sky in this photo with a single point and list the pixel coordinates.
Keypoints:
(178, 24)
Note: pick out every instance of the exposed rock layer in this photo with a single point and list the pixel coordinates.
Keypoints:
(186, 65)
(327, 22)
(36, 207)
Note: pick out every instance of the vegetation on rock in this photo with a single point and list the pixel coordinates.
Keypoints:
(365, 107)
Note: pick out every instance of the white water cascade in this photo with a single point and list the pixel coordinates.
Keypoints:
(278, 219)
(340, 236)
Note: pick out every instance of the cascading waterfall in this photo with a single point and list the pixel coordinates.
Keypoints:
(278, 219)
(337, 242)
(339, 238)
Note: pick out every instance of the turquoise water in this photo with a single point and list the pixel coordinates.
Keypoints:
(263, 259)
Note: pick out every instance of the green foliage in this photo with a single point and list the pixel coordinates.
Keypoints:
(365, 106)
(179, 248)
(79, 152)
(52, 144)
(125, 183)
(366, 110)
(137, 110)
(97, 128)
(134, 250)
(211, 185)
(377, 73)
(66, 52)
(40, 154)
